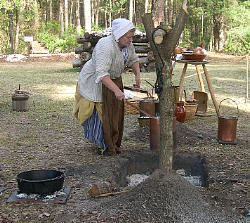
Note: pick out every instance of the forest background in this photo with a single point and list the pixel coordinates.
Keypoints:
(222, 25)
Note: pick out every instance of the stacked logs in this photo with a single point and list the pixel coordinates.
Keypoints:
(88, 41)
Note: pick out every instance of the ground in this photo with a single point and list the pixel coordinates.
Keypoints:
(34, 140)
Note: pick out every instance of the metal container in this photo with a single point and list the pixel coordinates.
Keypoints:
(147, 105)
(227, 127)
(20, 101)
(155, 133)
(40, 181)
(175, 93)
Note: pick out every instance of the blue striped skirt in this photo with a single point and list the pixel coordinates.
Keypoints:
(93, 129)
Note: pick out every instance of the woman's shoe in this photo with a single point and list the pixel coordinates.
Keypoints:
(102, 151)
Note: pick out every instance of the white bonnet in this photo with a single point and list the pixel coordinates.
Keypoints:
(120, 27)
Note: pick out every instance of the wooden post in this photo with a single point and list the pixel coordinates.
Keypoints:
(182, 80)
(211, 90)
(247, 81)
(200, 78)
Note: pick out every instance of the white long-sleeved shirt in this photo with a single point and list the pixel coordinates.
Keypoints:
(107, 59)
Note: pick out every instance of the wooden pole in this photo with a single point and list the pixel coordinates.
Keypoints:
(200, 78)
(247, 80)
(211, 90)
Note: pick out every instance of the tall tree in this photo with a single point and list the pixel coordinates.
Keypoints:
(158, 12)
(17, 29)
(87, 15)
(50, 10)
(131, 9)
(61, 18)
(66, 14)
(163, 49)
(78, 22)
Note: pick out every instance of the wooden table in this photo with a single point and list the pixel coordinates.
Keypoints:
(197, 63)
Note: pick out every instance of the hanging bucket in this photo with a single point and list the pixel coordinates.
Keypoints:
(227, 126)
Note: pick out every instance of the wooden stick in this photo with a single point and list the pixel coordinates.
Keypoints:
(111, 193)
(145, 113)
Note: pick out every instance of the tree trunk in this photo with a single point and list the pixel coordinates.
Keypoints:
(66, 14)
(87, 15)
(71, 23)
(158, 12)
(61, 18)
(146, 6)
(131, 9)
(50, 10)
(110, 14)
(11, 32)
(78, 22)
(163, 64)
(97, 14)
(36, 16)
(17, 30)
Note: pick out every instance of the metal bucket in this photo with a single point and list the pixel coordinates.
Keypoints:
(20, 101)
(155, 133)
(227, 127)
(175, 93)
(147, 105)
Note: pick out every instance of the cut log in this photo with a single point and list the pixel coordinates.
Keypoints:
(87, 46)
(159, 36)
(77, 62)
(81, 39)
(85, 56)
(151, 66)
(143, 60)
(151, 56)
(141, 48)
(79, 49)
(140, 39)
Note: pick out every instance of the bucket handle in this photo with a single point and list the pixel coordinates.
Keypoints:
(231, 100)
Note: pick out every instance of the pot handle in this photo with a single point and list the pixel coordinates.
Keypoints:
(231, 100)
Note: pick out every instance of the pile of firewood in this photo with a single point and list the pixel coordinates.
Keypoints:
(88, 41)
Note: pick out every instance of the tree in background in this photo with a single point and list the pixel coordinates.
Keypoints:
(220, 24)
(87, 15)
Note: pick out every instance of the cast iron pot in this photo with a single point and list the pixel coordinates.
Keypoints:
(40, 181)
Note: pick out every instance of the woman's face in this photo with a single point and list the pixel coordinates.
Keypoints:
(126, 39)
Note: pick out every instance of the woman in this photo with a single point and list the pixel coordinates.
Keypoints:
(99, 97)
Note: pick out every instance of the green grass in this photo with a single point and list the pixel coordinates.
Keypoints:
(52, 86)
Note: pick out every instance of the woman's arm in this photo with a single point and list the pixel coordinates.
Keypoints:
(113, 87)
(136, 70)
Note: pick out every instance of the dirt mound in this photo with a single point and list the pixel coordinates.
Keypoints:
(161, 198)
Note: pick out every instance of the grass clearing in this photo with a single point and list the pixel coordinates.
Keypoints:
(47, 136)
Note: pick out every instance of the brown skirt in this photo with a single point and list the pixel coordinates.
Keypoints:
(112, 117)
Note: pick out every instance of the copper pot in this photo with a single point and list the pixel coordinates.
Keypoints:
(227, 126)
(147, 105)
(155, 133)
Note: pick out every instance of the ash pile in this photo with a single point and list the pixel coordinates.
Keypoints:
(83, 52)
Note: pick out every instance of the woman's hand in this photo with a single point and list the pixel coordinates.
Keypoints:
(136, 70)
(119, 95)
(113, 87)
